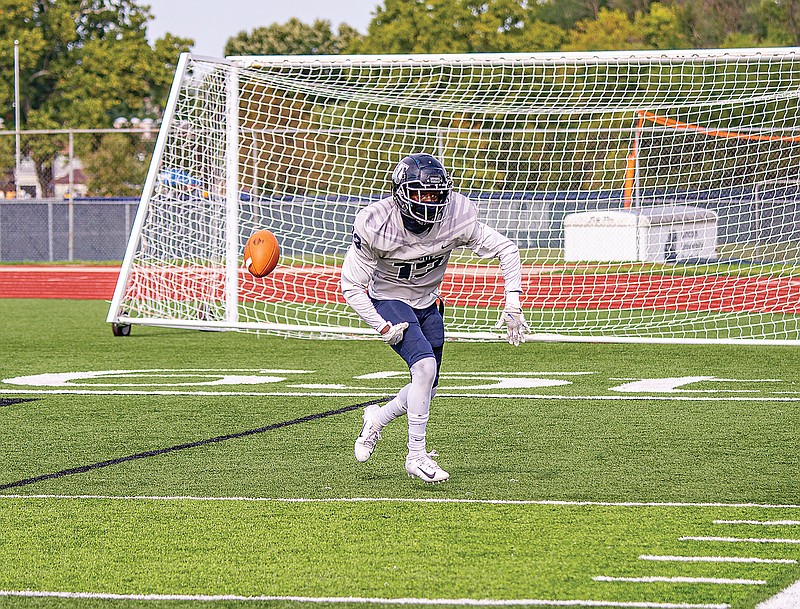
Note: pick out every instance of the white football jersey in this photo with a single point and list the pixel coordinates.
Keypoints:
(391, 263)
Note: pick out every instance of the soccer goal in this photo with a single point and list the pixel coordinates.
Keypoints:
(654, 195)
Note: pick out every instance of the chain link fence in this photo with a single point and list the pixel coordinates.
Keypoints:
(48, 230)
(71, 194)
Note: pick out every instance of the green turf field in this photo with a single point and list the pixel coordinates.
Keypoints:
(196, 469)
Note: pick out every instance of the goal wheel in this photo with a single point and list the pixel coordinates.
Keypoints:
(121, 329)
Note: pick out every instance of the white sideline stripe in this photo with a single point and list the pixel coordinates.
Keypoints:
(788, 598)
(654, 579)
(414, 500)
(761, 522)
(740, 539)
(475, 602)
(379, 394)
(785, 561)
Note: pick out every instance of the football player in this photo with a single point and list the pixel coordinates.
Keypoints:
(391, 276)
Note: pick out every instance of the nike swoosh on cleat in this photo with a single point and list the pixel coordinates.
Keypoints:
(431, 476)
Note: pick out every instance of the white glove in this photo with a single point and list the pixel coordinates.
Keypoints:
(394, 334)
(516, 327)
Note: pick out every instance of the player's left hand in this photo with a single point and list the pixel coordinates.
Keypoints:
(515, 324)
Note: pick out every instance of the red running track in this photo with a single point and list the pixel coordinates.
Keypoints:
(542, 291)
(73, 282)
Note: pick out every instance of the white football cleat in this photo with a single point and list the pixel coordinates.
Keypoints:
(426, 469)
(370, 434)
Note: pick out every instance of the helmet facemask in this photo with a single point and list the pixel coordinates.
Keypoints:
(421, 189)
(422, 203)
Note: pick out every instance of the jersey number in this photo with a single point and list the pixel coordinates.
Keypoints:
(418, 268)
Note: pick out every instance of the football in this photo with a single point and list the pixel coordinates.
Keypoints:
(261, 253)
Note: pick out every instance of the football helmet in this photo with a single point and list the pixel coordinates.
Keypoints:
(421, 189)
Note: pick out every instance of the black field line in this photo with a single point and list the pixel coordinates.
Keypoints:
(162, 451)
(12, 401)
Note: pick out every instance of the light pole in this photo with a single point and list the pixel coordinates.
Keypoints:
(17, 156)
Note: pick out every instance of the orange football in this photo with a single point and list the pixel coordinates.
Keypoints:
(261, 253)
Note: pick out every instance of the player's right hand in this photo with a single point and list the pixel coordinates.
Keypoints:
(393, 334)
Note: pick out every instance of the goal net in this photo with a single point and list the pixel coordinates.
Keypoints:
(653, 195)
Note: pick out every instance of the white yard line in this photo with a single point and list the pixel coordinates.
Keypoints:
(420, 500)
(788, 598)
(366, 600)
(377, 393)
(785, 561)
(766, 523)
(741, 539)
(654, 579)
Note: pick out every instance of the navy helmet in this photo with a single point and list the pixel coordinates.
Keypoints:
(421, 190)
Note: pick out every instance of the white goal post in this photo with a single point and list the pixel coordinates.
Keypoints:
(669, 178)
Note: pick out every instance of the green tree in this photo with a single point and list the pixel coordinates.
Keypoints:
(82, 63)
(712, 21)
(116, 164)
(778, 22)
(293, 38)
(611, 31)
(488, 26)
(460, 26)
(539, 36)
(567, 13)
(632, 8)
(662, 28)
(510, 26)
(414, 26)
